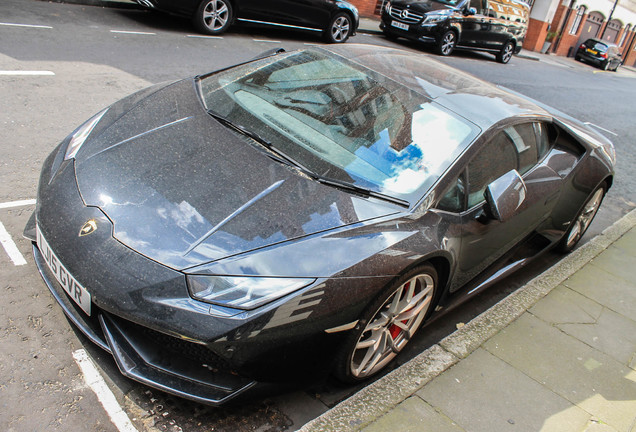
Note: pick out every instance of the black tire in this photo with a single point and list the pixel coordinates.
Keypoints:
(582, 221)
(605, 65)
(446, 44)
(213, 16)
(506, 52)
(415, 292)
(339, 29)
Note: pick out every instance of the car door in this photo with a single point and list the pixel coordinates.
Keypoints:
(475, 27)
(299, 13)
(485, 239)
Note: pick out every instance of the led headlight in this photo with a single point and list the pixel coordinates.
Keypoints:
(242, 292)
(80, 135)
(433, 18)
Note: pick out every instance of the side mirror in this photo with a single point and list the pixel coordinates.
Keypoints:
(470, 11)
(505, 195)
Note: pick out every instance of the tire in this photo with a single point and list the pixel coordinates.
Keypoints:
(339, 28)
(582, 221)
(506, 53)
(213, 16)
(605, 65)
(376, 339)
(446, 44)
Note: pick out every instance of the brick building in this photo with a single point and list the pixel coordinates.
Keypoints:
(559, 26)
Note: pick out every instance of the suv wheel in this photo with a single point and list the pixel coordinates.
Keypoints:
(506, 52)
(446, 44)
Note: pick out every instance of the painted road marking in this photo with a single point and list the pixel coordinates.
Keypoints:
(10, 247)
(95, 381)
(132, 32)
(266, 40)
(19, 203)
(601, 128)
(204, 37)
(26, 73)
(26, 25)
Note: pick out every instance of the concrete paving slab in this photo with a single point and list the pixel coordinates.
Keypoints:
(483, 393)
(604, 288)
(596, 426)
(564, 305)
(615, 261)
(627, 243)
(583, 375)
(414, 415)
(612, 334)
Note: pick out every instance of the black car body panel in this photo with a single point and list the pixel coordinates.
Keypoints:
(172, 193)
(479, 25)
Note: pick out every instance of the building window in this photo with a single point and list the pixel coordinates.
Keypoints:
(624, 36)
(577, 20)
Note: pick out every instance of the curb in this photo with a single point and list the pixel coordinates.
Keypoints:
(381, 396)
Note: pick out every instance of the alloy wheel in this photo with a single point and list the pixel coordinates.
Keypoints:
(392, 326)
(216, 14)
(340, 29)
(584, 219)
(448, 43)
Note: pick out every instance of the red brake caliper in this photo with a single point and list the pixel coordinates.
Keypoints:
(395, 330)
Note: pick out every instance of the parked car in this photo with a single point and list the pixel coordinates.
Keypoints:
(335, 19)
(496, 26)
(302, 213)
(603, 54)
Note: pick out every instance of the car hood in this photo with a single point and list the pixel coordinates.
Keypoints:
(422, 6)
(183, 190)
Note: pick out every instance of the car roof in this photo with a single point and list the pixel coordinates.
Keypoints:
(478, 101)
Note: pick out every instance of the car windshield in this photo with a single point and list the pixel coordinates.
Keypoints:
(341, 120)
(596, 45)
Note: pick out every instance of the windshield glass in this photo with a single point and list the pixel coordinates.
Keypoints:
(341, 120)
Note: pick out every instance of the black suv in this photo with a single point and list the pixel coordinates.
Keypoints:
(603, 54)
(497, 26)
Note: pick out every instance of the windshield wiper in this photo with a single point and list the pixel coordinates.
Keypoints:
(280, 156)
(358, 189)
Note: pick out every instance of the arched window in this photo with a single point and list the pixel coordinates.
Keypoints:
(576, 24)
(624, 36)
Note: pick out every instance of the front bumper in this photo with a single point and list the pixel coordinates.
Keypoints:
(416, 31)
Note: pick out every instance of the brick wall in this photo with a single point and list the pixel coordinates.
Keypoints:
(535, 37)
(366, 8)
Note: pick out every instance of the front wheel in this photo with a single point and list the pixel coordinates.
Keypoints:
(213, 16)
(446, 44)
(506, 52)
(582, 221)
(339, 29)
(388, 325)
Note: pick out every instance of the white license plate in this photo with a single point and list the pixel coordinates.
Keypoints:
(77, 292)
(399, 25)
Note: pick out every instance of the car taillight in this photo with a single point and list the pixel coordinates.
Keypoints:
(604, 55)
(582, 46)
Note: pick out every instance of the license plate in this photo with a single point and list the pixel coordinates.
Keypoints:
(77, 292)
(399, 25)
(591, 51)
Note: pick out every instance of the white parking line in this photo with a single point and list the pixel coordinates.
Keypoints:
(204, 37)
(19, 203)
(132, 32)
(26, 25)
(601, 128)
(266, 40)
(26, 73)
(95, 381)
(10, 247)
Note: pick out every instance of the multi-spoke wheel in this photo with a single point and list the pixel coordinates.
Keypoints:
(446, 44)
(388, 325)
(339, 28)
(582, 221)
(213, 16)
(506, 52)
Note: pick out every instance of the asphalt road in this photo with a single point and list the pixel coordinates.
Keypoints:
(80, 59)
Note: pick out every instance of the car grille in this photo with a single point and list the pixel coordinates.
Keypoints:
(405, 15)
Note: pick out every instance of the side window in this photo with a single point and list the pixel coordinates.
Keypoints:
(525, 141)
(453, 199)
(542, 131)
(495, 159)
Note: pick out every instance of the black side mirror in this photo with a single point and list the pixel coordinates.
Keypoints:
(505, 195)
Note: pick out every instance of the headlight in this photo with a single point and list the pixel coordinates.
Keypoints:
(434, 18)
(242, 292)
(80, 135)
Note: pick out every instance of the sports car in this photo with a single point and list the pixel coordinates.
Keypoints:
(301, 214)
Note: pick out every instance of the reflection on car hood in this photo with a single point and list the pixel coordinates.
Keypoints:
(183, 190)
(421, 6)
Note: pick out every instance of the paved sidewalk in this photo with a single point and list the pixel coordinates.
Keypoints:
(556, 355)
